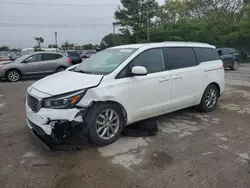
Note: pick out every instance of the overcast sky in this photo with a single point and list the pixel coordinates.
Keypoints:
(96, 21)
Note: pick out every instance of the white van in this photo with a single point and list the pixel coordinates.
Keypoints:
(123, 85)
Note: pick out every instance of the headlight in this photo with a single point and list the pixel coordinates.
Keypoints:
(64, 101)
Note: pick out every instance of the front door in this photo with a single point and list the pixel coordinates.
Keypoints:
(32, 65)
(149, 95)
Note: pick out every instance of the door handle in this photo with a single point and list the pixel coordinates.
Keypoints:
(164, 80)
(177, 77)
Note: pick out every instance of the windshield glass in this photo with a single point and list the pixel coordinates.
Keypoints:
(18, 60)
(105, 61)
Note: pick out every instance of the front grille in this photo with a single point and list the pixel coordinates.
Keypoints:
(33, 103)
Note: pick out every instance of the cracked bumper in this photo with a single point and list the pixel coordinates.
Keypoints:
(45, 119)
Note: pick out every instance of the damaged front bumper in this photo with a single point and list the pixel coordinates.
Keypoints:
(54, 123)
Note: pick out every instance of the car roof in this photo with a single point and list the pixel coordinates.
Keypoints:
(46, 52)
(166, 44)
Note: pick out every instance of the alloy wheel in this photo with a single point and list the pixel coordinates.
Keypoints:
(211, 98)
(13, 76)
(235, 65)
(107, 124)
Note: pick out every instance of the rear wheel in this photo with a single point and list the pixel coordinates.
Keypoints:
(13, 75)
(60, 69)
(209, 99)
(105, 123)
(235, 65)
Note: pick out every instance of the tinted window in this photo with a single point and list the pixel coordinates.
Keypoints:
(34, 58)
(232, 51)
(206, 54)
(152, 60)
(47, 57)
(73, 54)
(224, 51)
(180, 57)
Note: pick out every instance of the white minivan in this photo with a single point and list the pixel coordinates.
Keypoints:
(125, 84)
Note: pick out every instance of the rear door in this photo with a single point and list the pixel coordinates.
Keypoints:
(186, 76)
(50, 62)
(32, 65)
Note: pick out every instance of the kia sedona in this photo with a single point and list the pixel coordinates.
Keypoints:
(39, 63)
(123, 85)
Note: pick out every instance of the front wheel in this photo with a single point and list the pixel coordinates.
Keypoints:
(13, 75)
(105, 123)
(209, 99)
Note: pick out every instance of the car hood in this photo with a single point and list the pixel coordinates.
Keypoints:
(66, 81)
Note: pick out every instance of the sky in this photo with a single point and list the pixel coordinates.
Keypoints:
(77, 21)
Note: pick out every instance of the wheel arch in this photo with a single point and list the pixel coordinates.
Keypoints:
(13, 69)
(123, 110)
(216, 85)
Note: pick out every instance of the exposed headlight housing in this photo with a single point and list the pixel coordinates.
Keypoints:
(64, 101)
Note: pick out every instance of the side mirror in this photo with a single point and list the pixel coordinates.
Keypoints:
(139, 71)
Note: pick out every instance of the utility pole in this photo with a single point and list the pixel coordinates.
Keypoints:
(147, 24)
(113, 34)
(56, 40)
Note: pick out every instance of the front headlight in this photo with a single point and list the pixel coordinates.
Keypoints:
(64, 101)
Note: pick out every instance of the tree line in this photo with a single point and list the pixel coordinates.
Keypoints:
(218, 22)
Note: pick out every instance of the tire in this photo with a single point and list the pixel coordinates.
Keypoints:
(60, 69)
(98, 124)
(13, 75)
(211, 93)
(235, 65)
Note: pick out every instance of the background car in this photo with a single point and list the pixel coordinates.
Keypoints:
(230, 57)
(39, 63)
(88, 53)
(74, 56)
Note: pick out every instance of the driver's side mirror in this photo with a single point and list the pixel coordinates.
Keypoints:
(139, 71)
(25, 61)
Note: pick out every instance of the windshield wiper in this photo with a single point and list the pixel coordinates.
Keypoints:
(84, 72)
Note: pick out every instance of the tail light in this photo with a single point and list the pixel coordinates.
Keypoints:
(69, 60)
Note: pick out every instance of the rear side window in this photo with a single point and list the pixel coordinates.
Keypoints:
(180, 57)
(47, 57)
(206, 54)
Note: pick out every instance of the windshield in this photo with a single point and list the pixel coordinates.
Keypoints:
(20, 59)
(105, 61)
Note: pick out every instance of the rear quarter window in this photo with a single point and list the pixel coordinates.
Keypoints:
(206, 54)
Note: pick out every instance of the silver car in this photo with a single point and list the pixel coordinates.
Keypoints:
(39, 63)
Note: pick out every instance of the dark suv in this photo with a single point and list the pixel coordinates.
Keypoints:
(75, 57)
(230, 57)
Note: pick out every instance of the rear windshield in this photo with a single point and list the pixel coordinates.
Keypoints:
(73, 54)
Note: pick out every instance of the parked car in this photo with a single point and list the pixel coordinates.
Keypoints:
(230, 57)
(88, 53)
(39, 63)
(125, 84)
(75, 57)
(4, 58)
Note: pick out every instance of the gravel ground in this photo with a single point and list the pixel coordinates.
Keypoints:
(192, 149)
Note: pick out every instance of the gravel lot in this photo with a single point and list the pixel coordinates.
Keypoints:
(192, 149)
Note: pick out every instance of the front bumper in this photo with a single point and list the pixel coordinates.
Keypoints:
(46, 120)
